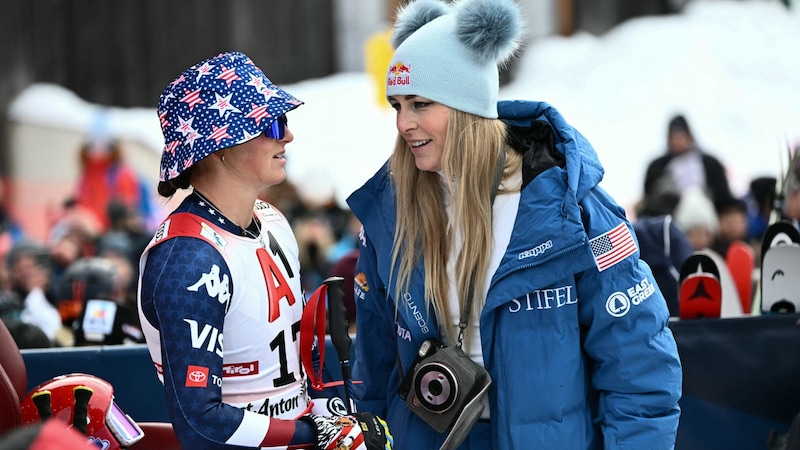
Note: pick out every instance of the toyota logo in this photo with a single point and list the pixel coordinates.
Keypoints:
(197, 376)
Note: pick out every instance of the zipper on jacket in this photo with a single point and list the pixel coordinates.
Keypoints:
(527, 266)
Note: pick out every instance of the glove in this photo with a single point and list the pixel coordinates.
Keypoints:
(358, 431)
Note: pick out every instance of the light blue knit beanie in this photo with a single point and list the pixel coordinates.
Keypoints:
(450, 54)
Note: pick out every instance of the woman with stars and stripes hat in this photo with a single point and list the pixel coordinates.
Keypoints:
(225, 263)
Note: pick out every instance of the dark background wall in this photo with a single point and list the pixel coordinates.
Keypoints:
(123, 52)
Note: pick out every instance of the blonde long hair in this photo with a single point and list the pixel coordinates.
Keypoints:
(470, 157)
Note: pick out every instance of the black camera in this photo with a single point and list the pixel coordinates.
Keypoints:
(445, 388)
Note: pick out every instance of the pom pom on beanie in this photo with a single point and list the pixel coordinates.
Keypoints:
(450, 54)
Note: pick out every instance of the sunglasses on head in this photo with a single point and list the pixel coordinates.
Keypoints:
(277, 129)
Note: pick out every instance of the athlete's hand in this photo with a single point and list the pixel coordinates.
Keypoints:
(358, 431)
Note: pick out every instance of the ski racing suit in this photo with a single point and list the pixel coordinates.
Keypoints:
(201, 279)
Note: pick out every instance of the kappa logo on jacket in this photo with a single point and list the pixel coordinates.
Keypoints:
(536, 251)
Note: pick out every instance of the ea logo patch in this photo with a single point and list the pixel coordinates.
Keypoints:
(618, 304)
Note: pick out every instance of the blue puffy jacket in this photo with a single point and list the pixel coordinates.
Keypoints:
(579, 358)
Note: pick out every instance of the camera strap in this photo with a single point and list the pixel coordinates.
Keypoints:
(463, 323)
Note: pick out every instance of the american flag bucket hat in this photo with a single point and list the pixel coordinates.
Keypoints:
(217, 103)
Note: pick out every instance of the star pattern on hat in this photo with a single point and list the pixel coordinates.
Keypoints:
(258, 113)
(219, 133)
(192, 99)
(203, 70)
(229, 75)
(217, 103)
(223, 104)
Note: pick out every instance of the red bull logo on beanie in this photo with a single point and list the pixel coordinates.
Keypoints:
(399, 74)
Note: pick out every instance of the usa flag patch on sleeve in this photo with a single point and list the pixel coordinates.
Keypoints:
(612, 247)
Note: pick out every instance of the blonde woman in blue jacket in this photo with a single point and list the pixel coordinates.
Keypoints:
(501, 199)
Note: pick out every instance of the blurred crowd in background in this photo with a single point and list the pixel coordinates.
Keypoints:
(78, 287)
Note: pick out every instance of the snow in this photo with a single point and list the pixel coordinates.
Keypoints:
(731, 67)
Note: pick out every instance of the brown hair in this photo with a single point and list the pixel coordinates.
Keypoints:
(170, 187)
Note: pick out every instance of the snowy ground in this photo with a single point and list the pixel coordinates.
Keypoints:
(731, 67)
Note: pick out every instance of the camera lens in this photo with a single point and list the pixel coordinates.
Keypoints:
(435, 387)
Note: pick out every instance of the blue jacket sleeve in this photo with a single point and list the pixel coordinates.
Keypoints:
(375, 347)
(636, 368)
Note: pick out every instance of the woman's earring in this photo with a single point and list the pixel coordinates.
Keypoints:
(222, 157)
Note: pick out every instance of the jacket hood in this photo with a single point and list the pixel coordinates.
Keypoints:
(584, 170)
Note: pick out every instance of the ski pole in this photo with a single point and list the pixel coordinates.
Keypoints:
(340, 336)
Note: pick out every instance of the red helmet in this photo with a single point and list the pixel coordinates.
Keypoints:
(86, 403)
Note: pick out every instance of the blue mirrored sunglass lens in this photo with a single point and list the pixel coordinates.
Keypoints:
(277, 129)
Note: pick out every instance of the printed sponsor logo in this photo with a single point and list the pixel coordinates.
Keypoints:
(268, 212)
(162, 231)
(404, 334)
(536, 251)
(209, 337)
(641, 292)
(618, 304)
(416, 313)
(361, 281)
(393, 81)
(196, 376)
(207, 232)
(215, 286)
(396, 75)
(274, 407)
(542, 299)
(240, 369)
(399, 68)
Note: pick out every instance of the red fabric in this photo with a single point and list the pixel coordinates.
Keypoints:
(56, 435)
(13, 380)
(312, 325)
(12, 362)
(157, 436)
(103, 181)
